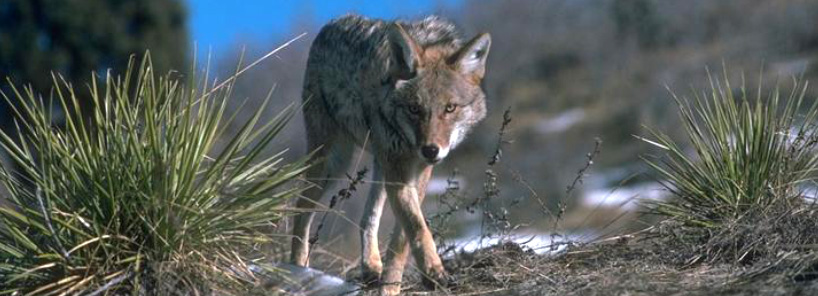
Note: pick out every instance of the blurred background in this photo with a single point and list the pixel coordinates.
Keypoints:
(569, 71)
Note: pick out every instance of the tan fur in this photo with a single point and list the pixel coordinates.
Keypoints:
(406, 92)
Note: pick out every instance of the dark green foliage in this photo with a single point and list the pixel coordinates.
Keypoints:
(75, 38)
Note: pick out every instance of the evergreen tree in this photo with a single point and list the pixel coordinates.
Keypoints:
(77, 37)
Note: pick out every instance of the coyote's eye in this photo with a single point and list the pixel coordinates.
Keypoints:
(414, 109)
(450, 108)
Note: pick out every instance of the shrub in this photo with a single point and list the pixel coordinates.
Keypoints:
(135, 198)
(748, 152)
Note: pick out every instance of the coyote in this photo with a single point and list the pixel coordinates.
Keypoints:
(407, 92)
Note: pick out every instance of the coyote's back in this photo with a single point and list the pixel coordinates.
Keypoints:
(408, 92)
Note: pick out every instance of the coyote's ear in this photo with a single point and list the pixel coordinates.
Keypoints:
(405, 53)
(471, 59)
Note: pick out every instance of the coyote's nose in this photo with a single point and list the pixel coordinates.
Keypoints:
(430, 152)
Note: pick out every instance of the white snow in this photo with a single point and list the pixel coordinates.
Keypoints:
(626, 198)
(561, 122)
(540, 243)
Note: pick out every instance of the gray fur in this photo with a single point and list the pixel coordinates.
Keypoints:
(390, 88)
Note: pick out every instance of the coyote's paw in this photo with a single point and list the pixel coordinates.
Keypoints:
(370, 278)
(438, 281)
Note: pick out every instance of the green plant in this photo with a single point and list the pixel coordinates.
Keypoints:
(747, 153)
(137, 198)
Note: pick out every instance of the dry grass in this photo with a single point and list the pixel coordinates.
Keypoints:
(766, 253)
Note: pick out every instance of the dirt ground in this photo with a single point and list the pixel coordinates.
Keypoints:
(626, 266)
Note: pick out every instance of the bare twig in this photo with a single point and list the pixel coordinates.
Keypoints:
(452, 202)
(498, 151)
(561, 205)
(490, 188)
(253, 64)
(342, 194)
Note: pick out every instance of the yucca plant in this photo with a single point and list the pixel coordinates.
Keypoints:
(133, 197)
(747, 150)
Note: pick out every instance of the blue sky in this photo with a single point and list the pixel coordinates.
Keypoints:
(219, 24)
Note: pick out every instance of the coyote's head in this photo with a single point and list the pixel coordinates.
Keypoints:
(437, 91)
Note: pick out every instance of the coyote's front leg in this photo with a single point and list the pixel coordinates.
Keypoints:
(371, 265)
(402, 190)
(398, 250)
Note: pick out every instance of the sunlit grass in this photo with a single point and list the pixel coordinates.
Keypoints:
(132, 197)
(747, 150)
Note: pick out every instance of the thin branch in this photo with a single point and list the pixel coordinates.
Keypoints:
(342, 194)
(253, 64)
(577, 180)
